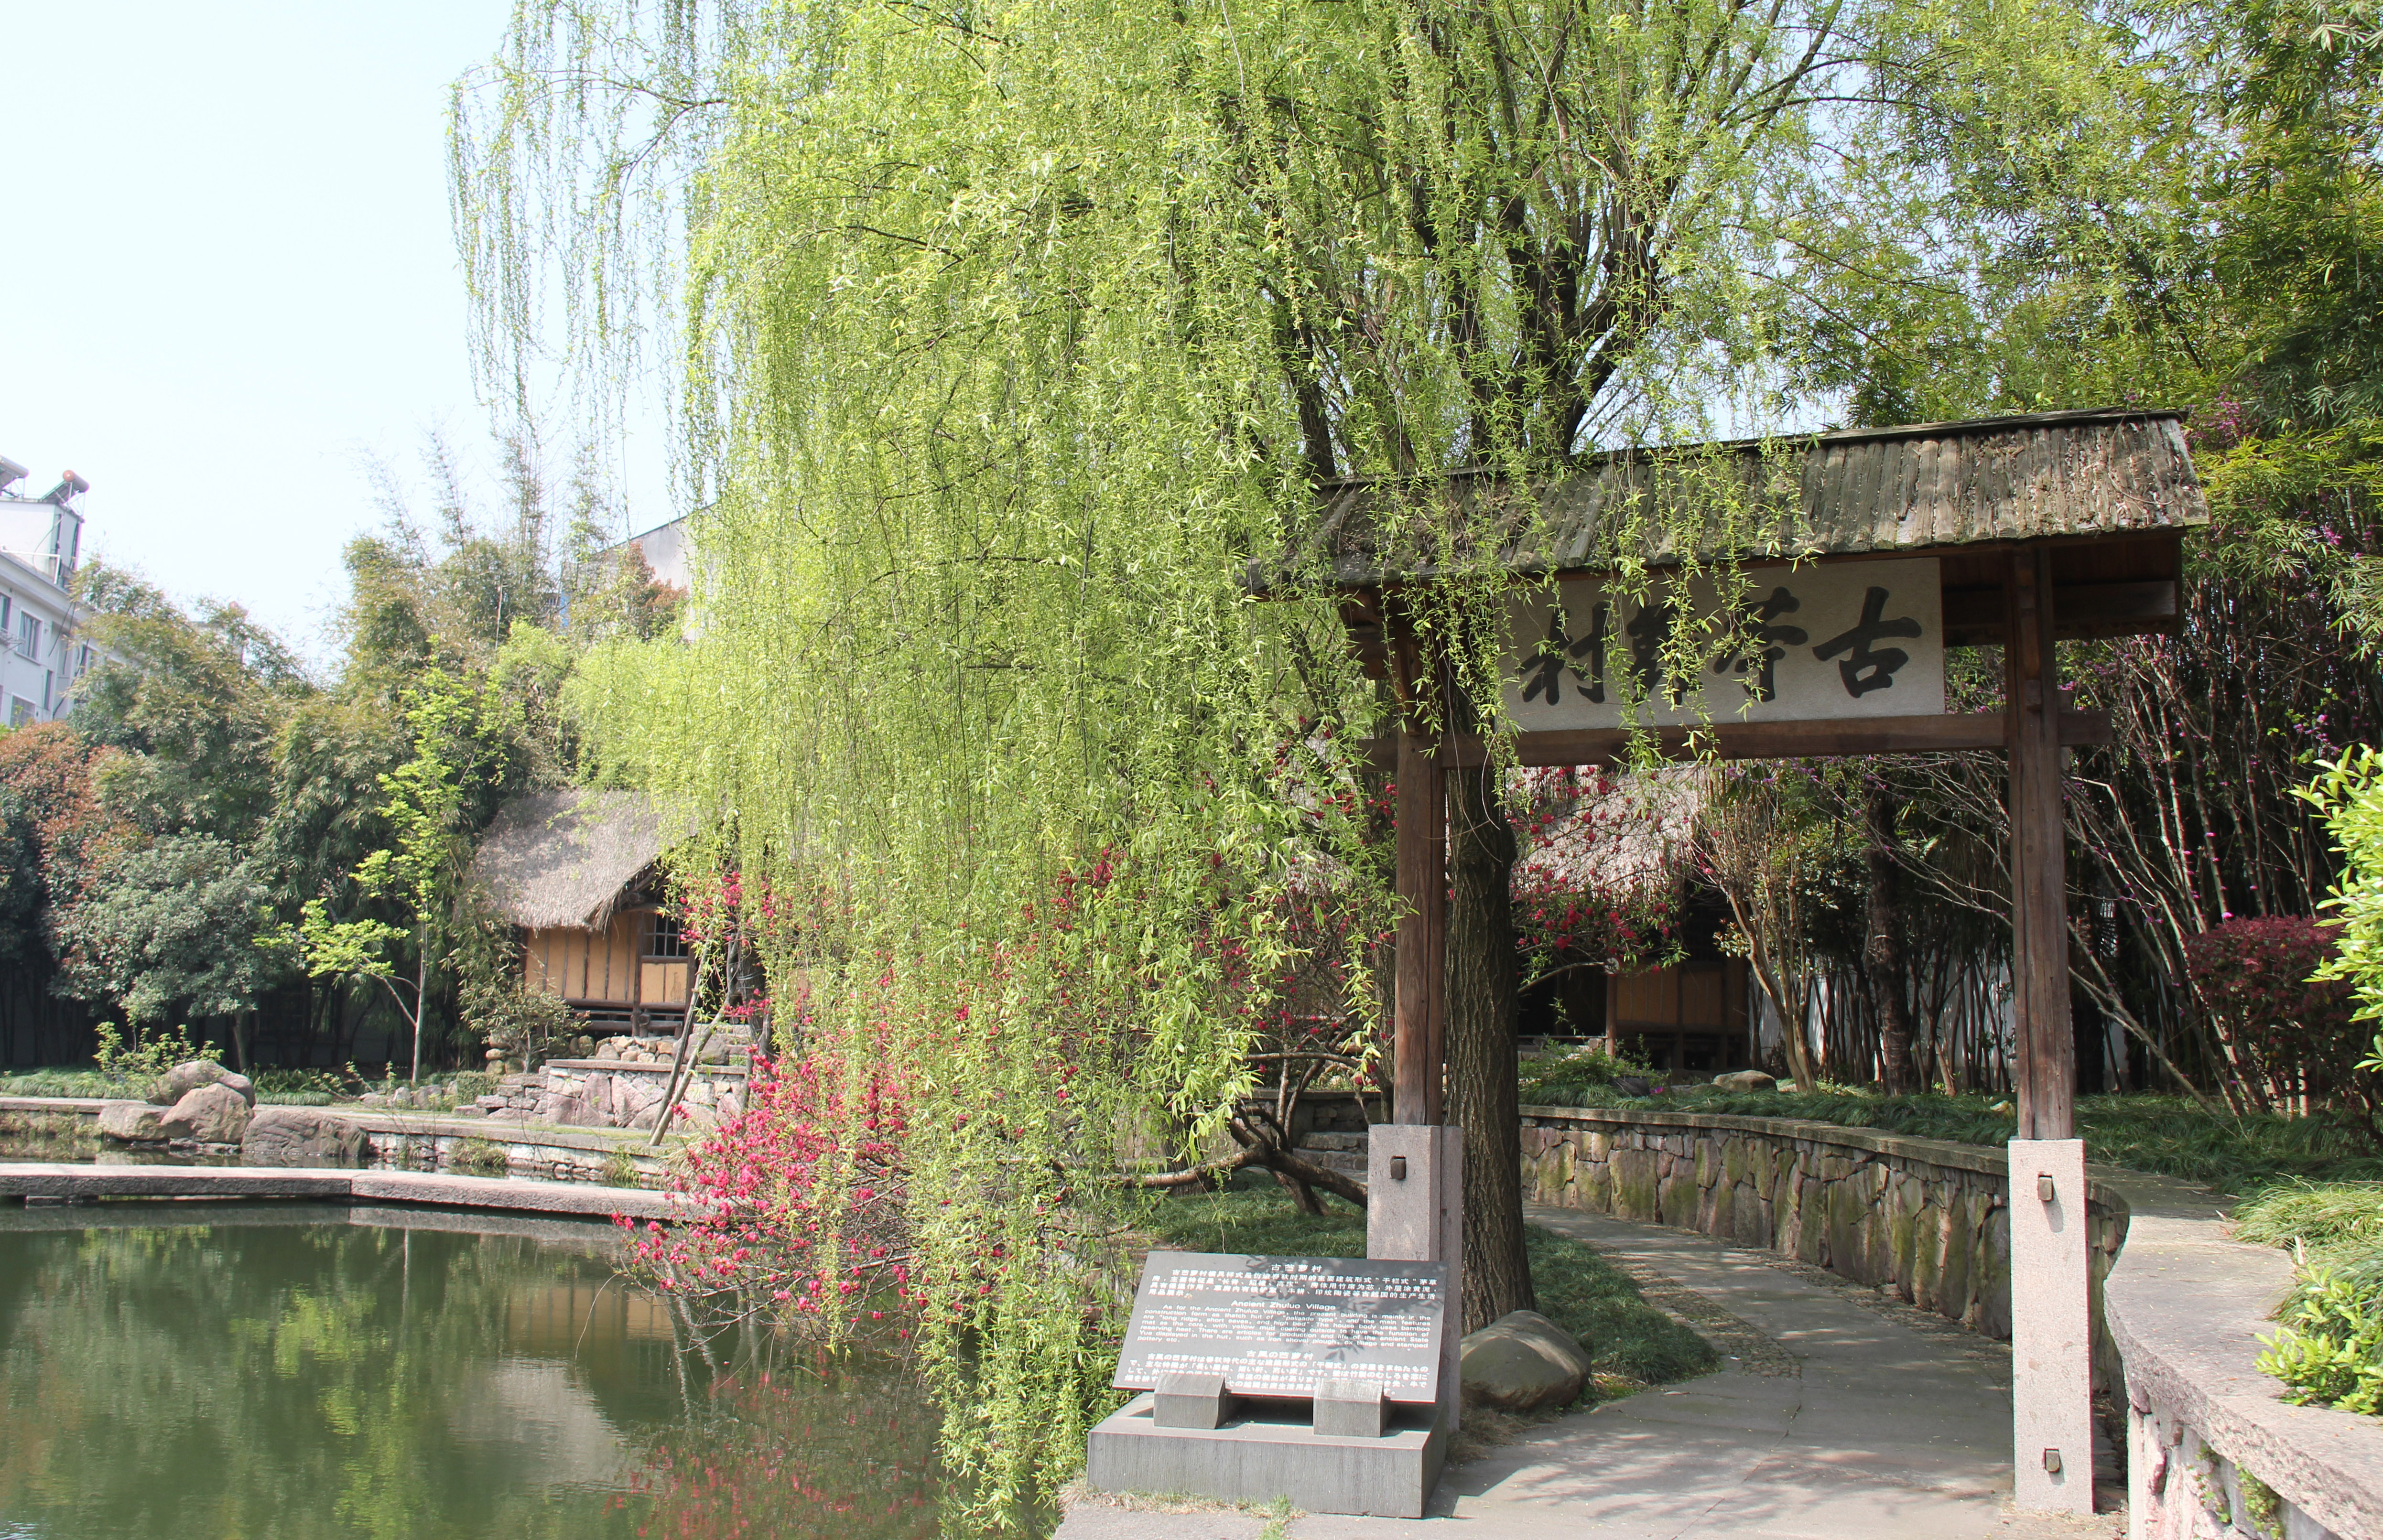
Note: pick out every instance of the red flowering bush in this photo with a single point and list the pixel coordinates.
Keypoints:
(1596, 881)
(797, 1200)
(2291, 1042)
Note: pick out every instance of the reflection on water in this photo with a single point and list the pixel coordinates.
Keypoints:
(268, 1374)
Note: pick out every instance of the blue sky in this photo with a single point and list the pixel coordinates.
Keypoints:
(227, 279)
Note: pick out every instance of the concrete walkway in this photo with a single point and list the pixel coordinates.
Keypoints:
(1841, 1416)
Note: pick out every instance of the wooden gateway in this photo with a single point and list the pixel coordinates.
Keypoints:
(576, 873)
(1870, 552)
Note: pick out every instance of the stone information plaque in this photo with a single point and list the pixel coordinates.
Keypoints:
(1276, 1325)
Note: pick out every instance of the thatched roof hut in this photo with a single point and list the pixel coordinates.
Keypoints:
(563, 859)
(1618, 832)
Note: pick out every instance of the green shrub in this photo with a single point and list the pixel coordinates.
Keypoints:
(1553, 1078)
(621, 1170)
(134, 1066)
(275, 1084)
(2329, 1350)
(473, 1084)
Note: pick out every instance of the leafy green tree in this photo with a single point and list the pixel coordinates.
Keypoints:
(436, 800)
(172, 931)
(56, 833)
(194, 703)
(185, 712)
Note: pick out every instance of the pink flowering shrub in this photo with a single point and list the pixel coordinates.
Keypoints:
(797, 1200)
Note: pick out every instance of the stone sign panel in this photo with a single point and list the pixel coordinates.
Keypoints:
(1849, 639)
(1278, 1325)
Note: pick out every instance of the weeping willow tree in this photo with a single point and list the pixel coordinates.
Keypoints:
(1008, 338)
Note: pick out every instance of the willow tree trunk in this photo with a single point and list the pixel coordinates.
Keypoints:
(1883, 949)
(1483, 1096)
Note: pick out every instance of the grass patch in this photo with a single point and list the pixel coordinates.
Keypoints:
(2331, 1227)
(479, 1157)
(621, 1170)
(63, 1082)
(2169, 1135)
(285, 1087)
(1627, 1339)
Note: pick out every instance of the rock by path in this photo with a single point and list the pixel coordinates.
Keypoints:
(1841, 1416)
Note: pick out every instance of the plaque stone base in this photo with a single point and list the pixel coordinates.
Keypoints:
(1272, 1450)
(1189, 1401)
(1352, 1409)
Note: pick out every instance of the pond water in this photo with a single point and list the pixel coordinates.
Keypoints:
(303, 1371)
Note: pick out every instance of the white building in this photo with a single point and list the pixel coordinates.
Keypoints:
(41, 656)
(664, 547)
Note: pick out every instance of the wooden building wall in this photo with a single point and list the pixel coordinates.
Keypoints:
(1690, 1018)
(613, 968)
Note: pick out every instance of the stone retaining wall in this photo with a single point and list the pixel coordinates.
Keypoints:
(620, 1094)
(429, 1142)
(1926, 1218)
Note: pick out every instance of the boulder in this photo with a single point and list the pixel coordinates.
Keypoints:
(301, 1136)
(133, 1122)
(188, 1075)
(213, 1113)
(1745, 1079)
(1632, 1085)
(1523, 1362)
(607, 1048)
(634, 1096)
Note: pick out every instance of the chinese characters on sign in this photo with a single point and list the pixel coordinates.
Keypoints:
(1848, 639)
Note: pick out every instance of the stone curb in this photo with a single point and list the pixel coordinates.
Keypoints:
(44, 1179)
(84, 1107)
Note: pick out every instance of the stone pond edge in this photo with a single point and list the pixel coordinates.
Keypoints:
(75, 1182)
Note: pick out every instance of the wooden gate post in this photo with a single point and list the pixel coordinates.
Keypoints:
(1419, 1040)
(2052, 1370)
(2046, 1072)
